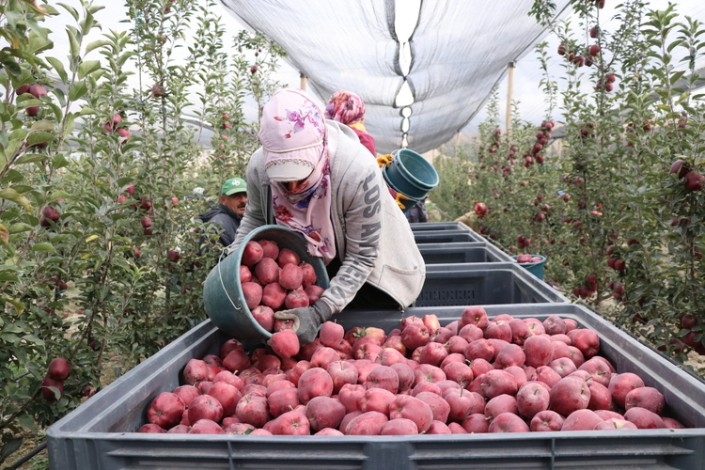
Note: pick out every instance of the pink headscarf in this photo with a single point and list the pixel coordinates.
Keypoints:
(345, 107)
(295, 146)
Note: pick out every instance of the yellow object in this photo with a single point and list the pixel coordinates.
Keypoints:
(399, 198)
(384, 160)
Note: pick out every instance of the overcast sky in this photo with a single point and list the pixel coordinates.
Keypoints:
(526, 76)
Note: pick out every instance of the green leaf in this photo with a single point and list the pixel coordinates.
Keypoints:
(10, 448)
(33, 339)
(42, 126)
(12, 195)
(96, 44)
(31, 158)
(19, 306)
(88, 67)
(43, 246)
(77, 90)
(73, 42)
(36, 138)
(70, 9)
(60, 161)
(39, 43)
(13, 176)
(8, 276)
(19, 228)
(59, 67)
(69, 124)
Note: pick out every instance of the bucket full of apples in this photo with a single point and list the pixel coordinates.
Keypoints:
(271, 270)
(532, 263)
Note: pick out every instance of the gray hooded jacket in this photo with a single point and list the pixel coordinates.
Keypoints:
(372, 236)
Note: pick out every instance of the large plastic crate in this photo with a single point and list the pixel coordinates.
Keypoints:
(425, 226)
(483, 284)
(446, 236)
(462, 252)
(100, 434)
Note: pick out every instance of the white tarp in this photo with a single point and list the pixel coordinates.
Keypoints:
(459, 50)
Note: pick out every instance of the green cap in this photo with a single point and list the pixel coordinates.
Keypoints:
(234, 186)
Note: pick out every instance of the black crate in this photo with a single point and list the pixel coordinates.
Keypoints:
(483, 284)
(446, 236)
(435, 226)
(462, 252)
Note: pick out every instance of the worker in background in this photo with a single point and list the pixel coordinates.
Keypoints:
(228, 213)
(348, 108)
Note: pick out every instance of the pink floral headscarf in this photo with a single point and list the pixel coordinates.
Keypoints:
(345, 107)
(295, 141)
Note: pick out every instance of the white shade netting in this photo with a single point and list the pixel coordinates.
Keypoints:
(459, 50)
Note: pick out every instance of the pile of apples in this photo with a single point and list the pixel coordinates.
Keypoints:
(523, 258)
(274, 278)
(472, 375)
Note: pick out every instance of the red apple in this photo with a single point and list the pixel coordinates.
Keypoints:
(586, 340)
(369, 423)
(350, 395)
(420, 412)
(480, 209)
(643, 418)
(285, 343)
(399, 427)
(474, 315)
(532, 398)
(649, 398)
(206, 426)
(621, 384)
(59, 368)
(383, 377)
(52, 389)
(324, 412)
(205, 407)
(227, 394)
(508, 422)
(252, 409)
(166, 410)
(151, 428)
(546, 421)
(581, 420)
(331, 334)
(315, 382)
(282, 401)
(569, 394)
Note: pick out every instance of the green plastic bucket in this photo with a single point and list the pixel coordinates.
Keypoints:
(405, 201)
(411, 174)
(535, 268)
(223, 298)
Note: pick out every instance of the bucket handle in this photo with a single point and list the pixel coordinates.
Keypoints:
(220, 276)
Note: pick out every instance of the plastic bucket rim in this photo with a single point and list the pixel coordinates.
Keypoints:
(418, 193)
(398, 157)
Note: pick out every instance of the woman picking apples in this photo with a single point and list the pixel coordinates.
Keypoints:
(313, 176)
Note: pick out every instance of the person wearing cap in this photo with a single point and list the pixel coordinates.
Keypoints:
(348, 108)
(228, 213)
(313, 176)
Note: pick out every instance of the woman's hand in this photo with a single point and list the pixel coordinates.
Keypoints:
(307, 320)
